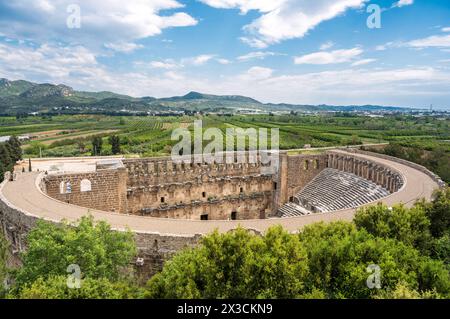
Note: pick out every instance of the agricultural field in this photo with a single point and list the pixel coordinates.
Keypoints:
(72, 135)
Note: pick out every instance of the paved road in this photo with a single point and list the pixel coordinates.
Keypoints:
(24, 194)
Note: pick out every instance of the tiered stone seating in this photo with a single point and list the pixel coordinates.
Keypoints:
(292, 210)
(333, 190)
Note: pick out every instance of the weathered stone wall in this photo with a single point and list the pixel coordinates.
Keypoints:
(255, 206)
(420, 168)
(380, 174)
(14, 225)
(156, 249)
(248, 196)
(163, 188)
(301, 169)
(150, 171)
(107, 189)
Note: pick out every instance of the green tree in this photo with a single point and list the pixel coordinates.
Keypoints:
(15, 148)
(5, 157)
(236, 265)
(408, 225)
(403, 291)
(339, 254)
(97, 145)
(2, 172)
(55, 287)
(114, 140)
(35, 148)
(93, 246)
(395, 150)
(438, 212)
(441, 249)
(81, 145)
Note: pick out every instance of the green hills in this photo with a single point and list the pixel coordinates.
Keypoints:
(24, 97)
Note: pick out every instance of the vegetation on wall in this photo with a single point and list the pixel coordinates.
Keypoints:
(433, 155)
(410, 246)
(103, 256)
(10, 153)
(322, 261)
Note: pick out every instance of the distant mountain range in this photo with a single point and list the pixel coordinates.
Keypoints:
(20, 97)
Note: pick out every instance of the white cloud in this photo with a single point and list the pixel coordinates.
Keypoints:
(254, 42)
(49, 63)
(332, 57)
(125, 47)
(446, 29)
(224, 61)
(403, 3)
(256, 73)
(441, 41)
(170, 64)
(44, 5)
(111, 22)
(437, 41)
(327, 45)
(255, 55)
(383, 47)
(200, 60)
(77, 66)
(363, 62)
(284, 19)
(163, 64)
(174, 75)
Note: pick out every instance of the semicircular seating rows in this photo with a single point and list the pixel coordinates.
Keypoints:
(333, 190)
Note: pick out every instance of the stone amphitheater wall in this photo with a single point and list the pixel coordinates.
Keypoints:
(155, 248)
(107, 189)
(378, 173)
(162, 188)
(418, 167)
(301, 169)
(14, 225)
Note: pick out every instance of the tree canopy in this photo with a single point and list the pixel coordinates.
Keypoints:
(237, 264)
(55, 287)
(98, 251)
(114, 140)
(10, 153)
(410, 247)
(410, 226)
(322, 261)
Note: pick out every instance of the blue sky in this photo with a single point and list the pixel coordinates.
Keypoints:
(292, 51)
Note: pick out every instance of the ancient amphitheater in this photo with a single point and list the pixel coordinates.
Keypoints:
(170, 206)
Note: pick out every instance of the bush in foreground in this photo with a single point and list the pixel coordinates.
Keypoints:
(323, 261)
(99, 252)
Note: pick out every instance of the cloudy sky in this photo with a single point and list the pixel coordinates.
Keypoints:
(293, 51)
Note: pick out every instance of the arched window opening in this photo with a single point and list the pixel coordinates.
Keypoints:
(86, 185)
